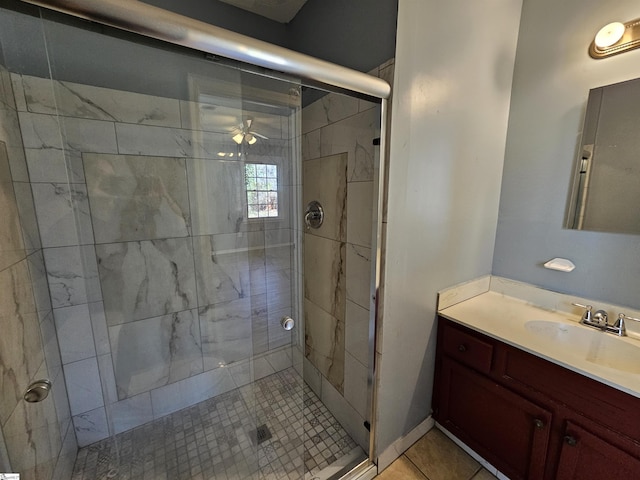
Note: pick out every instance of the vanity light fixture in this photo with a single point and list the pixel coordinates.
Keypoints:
(614, 38)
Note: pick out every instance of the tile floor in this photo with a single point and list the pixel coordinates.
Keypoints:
(217, 439)
(435, 457)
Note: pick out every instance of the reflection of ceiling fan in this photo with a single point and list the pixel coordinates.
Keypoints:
(244, 133)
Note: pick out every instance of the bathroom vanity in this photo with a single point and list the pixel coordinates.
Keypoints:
(536, 394)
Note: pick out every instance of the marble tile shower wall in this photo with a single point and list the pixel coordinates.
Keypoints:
(338, 169)
(36, 439)
(163, 291)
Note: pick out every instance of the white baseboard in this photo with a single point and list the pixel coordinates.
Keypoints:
(402, 444)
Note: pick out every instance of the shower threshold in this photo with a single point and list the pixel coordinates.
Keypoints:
(226, 438)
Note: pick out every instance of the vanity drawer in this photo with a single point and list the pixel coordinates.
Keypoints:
(467, 349)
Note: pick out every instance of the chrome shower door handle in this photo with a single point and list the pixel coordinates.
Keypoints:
(287, 323)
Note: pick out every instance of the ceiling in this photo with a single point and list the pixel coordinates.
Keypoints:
(281, 11)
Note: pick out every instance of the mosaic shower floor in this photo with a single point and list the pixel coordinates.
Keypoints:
(221, 438)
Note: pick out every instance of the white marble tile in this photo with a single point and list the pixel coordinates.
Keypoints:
(279, 289)
(63, 214)
(50, 346)
(51, 132)
(91, 427)
(137, 198)
(99, 326)
(324, 343)
(360, 213)
(146, 279)
(39, 284)
(27, 213)
(18, 92)
(278, 249)
(298, 359)
(171, 142)
(217, 196)
(226, 333)
(10, 135)
(73, 325)
(280, 359)
(83, 386)
(67, 457)
(259, 324)
(312, 377)
(132, 412)
(61, 400)
(20, 343)
(33, 440)
(12, 246)
(357, 332)
(325, 262)
(364, 105)
(179, 395)
(355, 385)
(229, 267)
(329, 109)
(85, 135)
(358, 274)
(73, 275)
(325, 181)
(348, 416)
(248, 371)
(107, 378)
(54, 165)
(6, 89)
(156, 351)
(40, 131)
(278, 336)
(87, 101)
(354, 135)
(310, 145)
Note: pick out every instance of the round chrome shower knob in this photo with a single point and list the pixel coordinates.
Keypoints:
(287, 323)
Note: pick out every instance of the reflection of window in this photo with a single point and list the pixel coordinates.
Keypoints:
(262, 190)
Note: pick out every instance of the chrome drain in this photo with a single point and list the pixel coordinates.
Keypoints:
(261, 434)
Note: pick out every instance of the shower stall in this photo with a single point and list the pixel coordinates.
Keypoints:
(190, 251)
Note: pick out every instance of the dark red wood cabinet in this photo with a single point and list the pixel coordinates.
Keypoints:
(528, 417)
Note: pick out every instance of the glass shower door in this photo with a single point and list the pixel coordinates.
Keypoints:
(164, 186)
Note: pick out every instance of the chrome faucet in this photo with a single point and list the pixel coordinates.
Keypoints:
(600, 320)
(619, 327)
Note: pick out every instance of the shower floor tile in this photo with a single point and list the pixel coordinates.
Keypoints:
(219, 438)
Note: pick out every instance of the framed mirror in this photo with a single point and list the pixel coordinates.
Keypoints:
(605, 191)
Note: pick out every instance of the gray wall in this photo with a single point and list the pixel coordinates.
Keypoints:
(229, 17)
(448, 133)
(356, 34)
(359, 34)
(553, 75)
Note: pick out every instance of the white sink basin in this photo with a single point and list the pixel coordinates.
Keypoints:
(590, 344)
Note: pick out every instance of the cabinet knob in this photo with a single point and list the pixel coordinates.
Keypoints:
(570, 440)
(539, 424)
(462, 347)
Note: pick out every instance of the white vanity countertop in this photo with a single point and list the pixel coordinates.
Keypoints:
(504, 318)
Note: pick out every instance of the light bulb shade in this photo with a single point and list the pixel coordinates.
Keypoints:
(251, 139)
(238, 137)
(616, 38)
(609, 35)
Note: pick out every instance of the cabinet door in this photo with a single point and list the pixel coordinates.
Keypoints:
(586, 456)
(504, 428)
